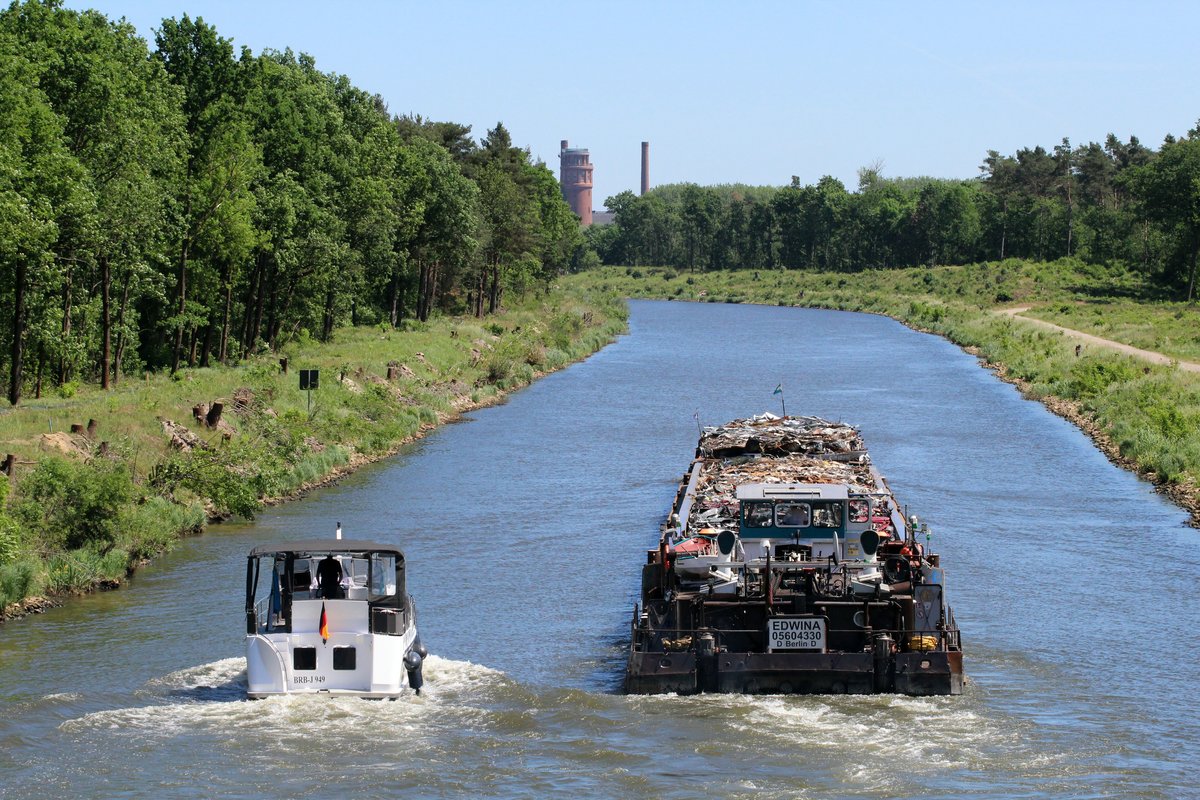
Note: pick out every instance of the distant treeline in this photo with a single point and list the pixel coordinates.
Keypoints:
(191, 203)
(1117, 202)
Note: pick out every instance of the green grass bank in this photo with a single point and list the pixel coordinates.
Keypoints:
(84, 508)
(1145, 417)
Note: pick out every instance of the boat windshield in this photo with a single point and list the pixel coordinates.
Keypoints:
(826, 515)
(792, 515)
(759, 515)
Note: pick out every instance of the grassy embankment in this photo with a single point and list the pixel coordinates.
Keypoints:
(83, 511)
(1145, 417)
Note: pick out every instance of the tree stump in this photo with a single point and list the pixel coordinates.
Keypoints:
(214, 414)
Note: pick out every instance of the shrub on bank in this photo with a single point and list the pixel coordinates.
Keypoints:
(1092, 375)
(215, 475)
(68, 505)
(153, 525)
(9, 531)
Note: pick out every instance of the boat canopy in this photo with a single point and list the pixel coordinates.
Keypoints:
(284, 573)
(325, 546)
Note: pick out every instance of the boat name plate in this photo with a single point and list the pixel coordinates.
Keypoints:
(796, 633)
(299, 680)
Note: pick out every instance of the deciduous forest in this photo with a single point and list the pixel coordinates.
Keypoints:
(187, 203)
(1116, 203)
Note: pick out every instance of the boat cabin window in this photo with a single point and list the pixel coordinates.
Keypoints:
(827, 515)
(758, 515)
(383, 574)
(792, 515)
(860, 510)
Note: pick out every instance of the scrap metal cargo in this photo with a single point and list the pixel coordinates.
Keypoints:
(788, 566)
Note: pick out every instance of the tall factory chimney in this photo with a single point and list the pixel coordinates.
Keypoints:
(645, 167)
(575, 178)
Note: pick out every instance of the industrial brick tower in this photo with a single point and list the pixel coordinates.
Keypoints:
(575, 177)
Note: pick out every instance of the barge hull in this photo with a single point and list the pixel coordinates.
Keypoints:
(932, 673)
(921, 674)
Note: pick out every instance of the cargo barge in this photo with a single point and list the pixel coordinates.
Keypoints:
(787, 566)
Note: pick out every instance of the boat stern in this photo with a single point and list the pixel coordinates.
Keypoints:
(360, 664)
(921, 674)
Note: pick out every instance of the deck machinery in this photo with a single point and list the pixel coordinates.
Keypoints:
(787, 566)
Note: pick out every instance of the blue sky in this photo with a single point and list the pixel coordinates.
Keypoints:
(748, 92)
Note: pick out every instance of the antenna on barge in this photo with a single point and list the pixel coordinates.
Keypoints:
(339, 530)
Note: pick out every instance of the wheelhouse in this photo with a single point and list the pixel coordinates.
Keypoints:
(813, 516)
(286, 582)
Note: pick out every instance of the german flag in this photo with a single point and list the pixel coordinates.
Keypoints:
(323, 628)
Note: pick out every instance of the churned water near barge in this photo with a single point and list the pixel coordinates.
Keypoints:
(524, 529)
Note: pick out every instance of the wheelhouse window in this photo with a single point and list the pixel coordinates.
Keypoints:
(758, 515)
(792, 515)
(860, 510)
(826, 515)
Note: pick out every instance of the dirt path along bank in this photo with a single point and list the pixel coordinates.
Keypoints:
(1136, 352)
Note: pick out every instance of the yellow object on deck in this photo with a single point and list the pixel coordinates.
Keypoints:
(922, 642)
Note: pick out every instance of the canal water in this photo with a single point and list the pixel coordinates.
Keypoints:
(525, 527)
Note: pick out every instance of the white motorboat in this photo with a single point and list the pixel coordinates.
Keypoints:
(330, 616)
